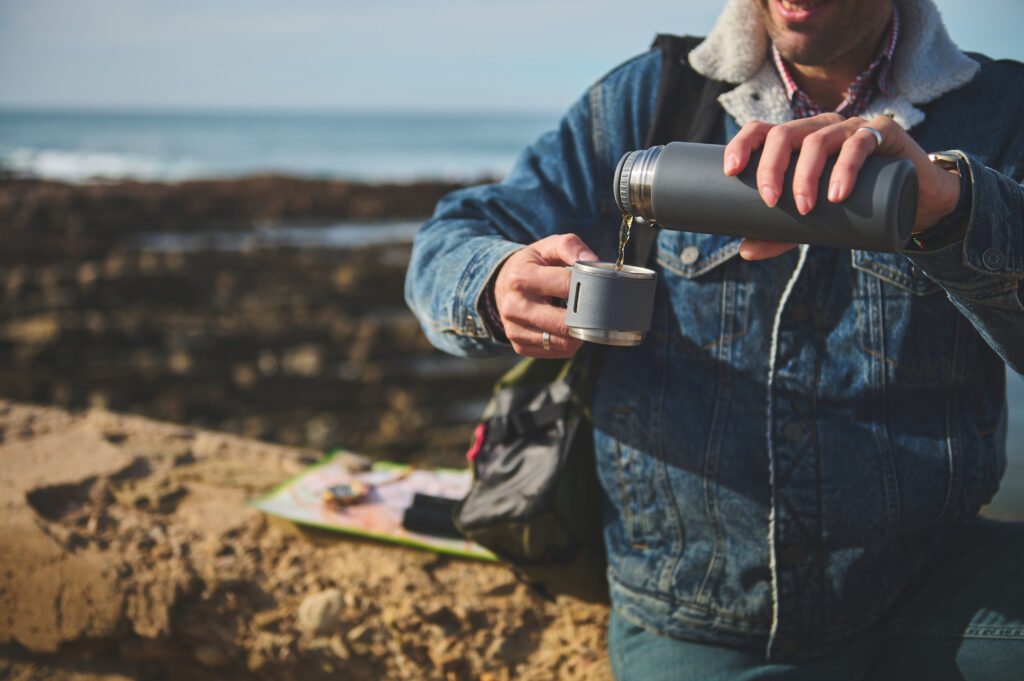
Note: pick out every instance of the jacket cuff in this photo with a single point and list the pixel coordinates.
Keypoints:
(992, 249)
(468, 310)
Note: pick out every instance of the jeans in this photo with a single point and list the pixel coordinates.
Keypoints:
(964, 620)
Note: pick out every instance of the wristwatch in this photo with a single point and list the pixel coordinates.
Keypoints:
(951, 228)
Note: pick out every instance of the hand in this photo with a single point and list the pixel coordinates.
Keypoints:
(818, 138)
(523, 290)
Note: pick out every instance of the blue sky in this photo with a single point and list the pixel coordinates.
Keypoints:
(360, 54)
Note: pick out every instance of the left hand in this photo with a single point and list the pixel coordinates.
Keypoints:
(818, 138)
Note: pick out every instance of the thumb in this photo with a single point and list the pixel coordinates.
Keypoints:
(564, 248)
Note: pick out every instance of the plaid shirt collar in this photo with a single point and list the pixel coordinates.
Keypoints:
(874, 80)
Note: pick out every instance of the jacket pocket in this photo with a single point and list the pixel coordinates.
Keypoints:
(903, 320)
(709, 297)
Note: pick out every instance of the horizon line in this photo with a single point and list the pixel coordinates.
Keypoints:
(268, 109)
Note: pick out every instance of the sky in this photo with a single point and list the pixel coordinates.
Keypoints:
(372, 55)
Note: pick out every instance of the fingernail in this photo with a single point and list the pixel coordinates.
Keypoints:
(586, 255)
(731, 163)
(769, 195)
(803, 204)
(834, 190)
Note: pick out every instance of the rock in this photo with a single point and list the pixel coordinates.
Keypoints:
(211, 656)
(319, 612)
(338, 647)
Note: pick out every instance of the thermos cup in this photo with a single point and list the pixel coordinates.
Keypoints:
(681, 186)
(609, 305)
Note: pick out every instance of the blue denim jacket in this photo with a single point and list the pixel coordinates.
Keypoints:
(783, 451)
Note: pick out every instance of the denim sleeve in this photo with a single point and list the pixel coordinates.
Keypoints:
(553, 188)
(982, 274)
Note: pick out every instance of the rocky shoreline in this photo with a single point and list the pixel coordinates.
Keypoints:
(299, 345)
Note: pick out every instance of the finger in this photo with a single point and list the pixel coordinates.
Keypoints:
(779, 145)
(563, 249)
(859, 146)
(529, 341)
(537, 314)
(815, 151)
(528, 281)
(855, 150)
(753, 249)
(738, 150)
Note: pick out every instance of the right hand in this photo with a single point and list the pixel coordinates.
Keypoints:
(523, 290)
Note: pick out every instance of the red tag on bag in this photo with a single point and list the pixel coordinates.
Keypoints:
(478, 441)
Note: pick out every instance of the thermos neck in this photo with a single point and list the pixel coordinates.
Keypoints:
(634, 178)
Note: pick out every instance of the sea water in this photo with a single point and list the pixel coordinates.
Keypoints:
(152, 145)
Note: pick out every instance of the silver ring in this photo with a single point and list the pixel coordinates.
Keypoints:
(545, 339)
(877, 135)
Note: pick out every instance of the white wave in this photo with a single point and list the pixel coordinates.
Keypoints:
(83, 166)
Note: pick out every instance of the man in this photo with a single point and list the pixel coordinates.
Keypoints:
(794, 458)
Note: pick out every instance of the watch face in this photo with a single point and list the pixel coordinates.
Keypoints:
(945, 159)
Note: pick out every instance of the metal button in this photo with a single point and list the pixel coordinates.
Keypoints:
(992, 258)
(793, 432)
(689, 255)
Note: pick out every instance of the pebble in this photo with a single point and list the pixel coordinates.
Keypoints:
(318, 613)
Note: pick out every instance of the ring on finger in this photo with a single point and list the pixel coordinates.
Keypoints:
(545, 340)
(875, 133)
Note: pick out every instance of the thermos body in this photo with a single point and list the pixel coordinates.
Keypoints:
(681, 186)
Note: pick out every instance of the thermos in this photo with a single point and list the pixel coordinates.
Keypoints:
(681, 186)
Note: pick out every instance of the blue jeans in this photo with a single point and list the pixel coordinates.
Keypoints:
(962, 621)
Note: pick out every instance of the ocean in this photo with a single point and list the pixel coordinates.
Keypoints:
(79, 146)
(86, 145)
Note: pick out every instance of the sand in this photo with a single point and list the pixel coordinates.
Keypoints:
(129, 552)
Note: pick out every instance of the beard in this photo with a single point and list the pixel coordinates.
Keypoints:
(819, 49)
(852, 25)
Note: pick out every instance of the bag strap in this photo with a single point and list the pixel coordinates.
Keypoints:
(686, 108)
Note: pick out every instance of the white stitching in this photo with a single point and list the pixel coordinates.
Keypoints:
(772, 559)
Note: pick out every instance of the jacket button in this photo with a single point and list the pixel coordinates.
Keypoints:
(992, 258)
(689, 255)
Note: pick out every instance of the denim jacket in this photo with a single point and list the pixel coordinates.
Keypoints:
(782, 453)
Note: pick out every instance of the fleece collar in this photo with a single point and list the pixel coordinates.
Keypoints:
(927, 65)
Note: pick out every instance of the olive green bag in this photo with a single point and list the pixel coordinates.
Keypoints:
(535, 500)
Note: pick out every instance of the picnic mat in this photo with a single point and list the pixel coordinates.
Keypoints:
(391, 486)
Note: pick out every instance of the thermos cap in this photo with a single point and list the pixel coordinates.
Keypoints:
(634, 178)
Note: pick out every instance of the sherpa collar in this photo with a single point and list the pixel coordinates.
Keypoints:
(927, 64)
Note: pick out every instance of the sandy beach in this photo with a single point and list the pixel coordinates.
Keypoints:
(130, 553)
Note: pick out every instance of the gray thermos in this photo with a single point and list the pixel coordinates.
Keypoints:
(681, 186)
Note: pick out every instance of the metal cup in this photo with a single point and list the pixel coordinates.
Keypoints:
(608, 305)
